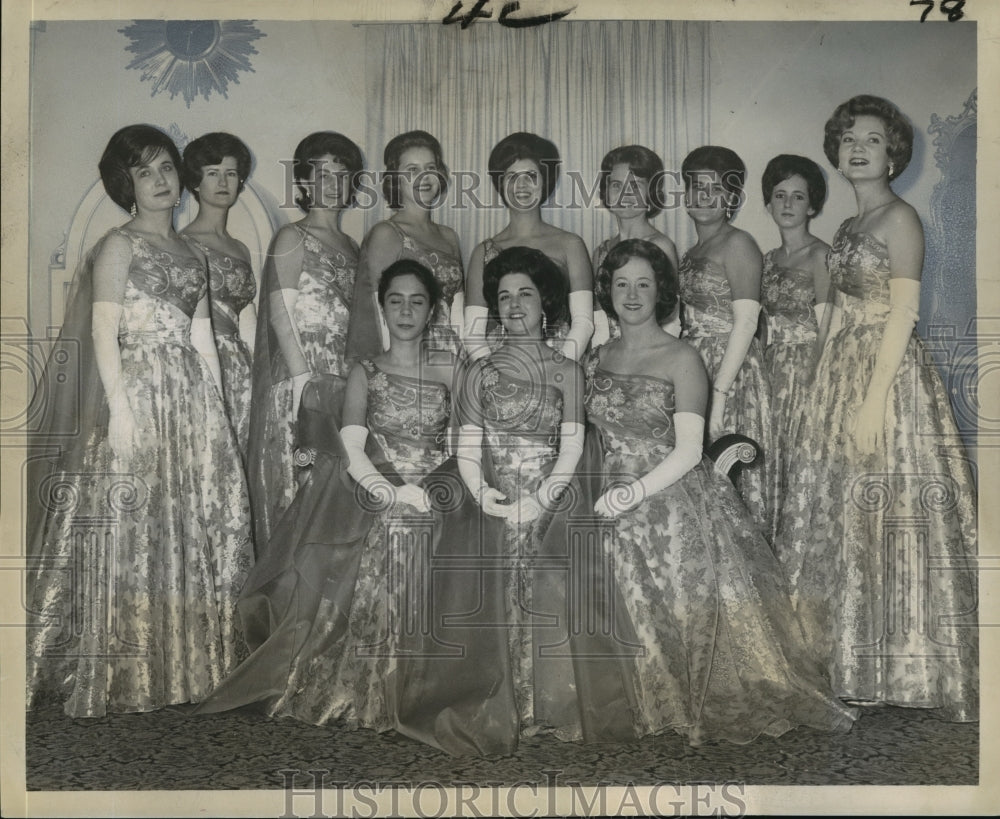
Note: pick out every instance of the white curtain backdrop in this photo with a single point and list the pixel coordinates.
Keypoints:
(587, 86)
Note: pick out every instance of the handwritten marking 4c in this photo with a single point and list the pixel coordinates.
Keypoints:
(506, 18)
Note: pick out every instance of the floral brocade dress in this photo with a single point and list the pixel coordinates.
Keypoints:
(321, 316)
(521, 422)
(720, 654)
(139, 563)
(879, 550)
(366, 334)
(787, 297)
(231, 287)
(374, 616)
(447, 269)
(707, 321)
(347, 670)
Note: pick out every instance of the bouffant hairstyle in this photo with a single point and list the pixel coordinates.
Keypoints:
(785, 166)
(317, 145)
(130, 147)
(898, 130)
(211, 149)
(724, 162)
(643, 164)
(552, 283)
(664, 273)
(524, 145)
(393, 155)
(410, 267)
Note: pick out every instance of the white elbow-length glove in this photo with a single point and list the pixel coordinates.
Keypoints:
(581, 323)
(745, 313)
(571, 438)
(203, 341)
(476, 318)
(602, 329)
(470, 467)
(869, 422)
(105, 320)
(364, 472)
(289, 296)
(689, 430)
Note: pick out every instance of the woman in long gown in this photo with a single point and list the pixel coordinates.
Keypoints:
(415, 182)
(305, 306)
(523, 168)
(215, 169)
(140, 535)
(344, 613)
(632, 188)
(877, 540)
(521, 438)
(794, 291)
(720, 292)
(722, 654)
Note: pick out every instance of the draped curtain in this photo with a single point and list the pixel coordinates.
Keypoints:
(588, 86)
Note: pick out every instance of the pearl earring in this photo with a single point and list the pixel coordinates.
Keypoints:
(177, 204)
(545, 325)
(133, 210)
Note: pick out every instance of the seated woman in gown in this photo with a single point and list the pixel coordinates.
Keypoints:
(339, 615)
(722, 653)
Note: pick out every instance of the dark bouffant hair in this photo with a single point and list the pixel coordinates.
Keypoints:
(898, 130)
(524, 145)
(545, 274)
(785, 166)
(211, 149)
(410, 267)
(724, 162)
(318, 145)
(667, 283)
(393, 154)
(644, 164)
(128, 148)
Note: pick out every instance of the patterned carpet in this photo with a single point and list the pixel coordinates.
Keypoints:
(170, 750)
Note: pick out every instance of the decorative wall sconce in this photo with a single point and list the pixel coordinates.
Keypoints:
(191, 57)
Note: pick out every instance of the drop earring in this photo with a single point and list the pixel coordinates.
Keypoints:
(177, 204)
(892, 169)
(133, 210)
(545, 326)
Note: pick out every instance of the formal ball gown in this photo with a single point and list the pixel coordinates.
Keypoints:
(364, 336)
(719, 654)
(360, 614)
(231, 287)
(879, 549)
(707, 319)
(321, 315)
(135, 565)
(568, 677)
(787, 298)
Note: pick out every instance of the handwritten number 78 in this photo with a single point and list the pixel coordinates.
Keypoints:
(953, 8)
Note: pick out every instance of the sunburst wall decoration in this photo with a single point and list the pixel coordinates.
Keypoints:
(191, 57)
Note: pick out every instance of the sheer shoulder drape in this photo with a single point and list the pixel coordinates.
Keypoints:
(587, 86)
